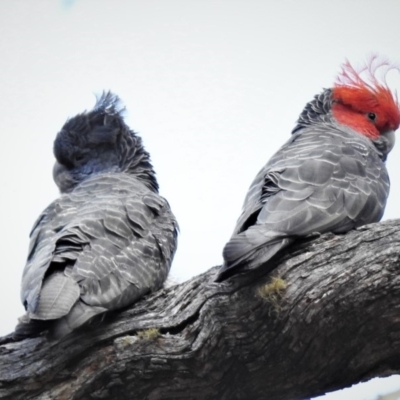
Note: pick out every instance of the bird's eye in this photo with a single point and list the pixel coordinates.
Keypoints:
(371, 116)
(79, 157)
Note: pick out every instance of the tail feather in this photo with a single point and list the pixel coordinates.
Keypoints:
(250, 249)
(58, 295)
(56, 329)
(59, 310)
(80, 314)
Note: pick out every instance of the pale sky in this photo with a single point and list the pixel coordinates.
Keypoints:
(214, 88)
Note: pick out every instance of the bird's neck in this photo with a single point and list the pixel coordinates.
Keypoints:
(316, 111)
(135, 160)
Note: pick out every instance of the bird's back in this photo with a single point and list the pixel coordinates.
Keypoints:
(312, 165)
(109, 242)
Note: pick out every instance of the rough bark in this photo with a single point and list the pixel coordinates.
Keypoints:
(337, 323)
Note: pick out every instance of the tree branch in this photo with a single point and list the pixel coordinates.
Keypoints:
(336, 323)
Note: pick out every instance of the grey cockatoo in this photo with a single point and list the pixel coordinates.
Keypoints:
(329, 177)
(109, 238)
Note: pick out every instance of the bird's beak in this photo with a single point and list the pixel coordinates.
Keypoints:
(62, 177)
(58, 169)
(390, 139)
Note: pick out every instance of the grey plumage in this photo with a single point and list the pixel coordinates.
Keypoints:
(326, 178)
(109, 238)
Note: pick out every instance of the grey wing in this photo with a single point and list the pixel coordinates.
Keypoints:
(40, 253)
(131, 253)
(110, 242)
(316, 183)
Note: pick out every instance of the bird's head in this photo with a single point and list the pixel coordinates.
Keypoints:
(99, 141)
(363, 101)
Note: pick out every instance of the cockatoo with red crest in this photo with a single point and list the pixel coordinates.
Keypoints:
(329, 177)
